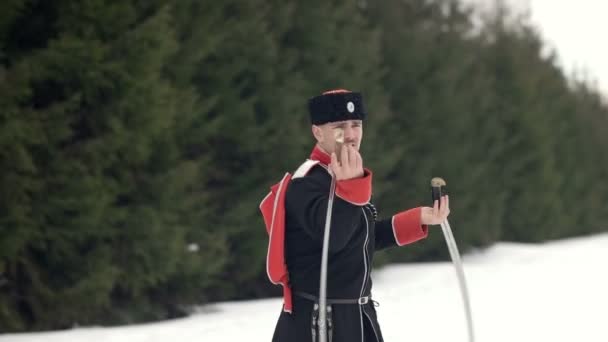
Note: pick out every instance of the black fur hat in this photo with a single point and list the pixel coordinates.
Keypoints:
(336, 105)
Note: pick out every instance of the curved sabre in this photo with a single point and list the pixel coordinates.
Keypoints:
(453, 248)
(437, 185)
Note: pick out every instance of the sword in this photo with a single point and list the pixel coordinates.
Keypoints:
(437, 185)
(322, 322)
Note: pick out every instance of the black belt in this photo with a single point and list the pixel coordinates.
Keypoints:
(361, 300)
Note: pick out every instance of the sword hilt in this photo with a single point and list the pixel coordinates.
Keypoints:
(437, 189)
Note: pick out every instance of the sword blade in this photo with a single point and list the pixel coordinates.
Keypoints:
(455, 255)
(324, 258)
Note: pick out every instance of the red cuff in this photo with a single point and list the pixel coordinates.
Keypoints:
(407, 227)
(357, 191)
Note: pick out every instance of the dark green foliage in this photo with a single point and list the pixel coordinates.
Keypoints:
(137, 139)
(91, 180)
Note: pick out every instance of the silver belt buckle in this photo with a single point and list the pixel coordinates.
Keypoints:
(363, 300)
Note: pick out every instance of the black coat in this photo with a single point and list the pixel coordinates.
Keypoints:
(355, 235)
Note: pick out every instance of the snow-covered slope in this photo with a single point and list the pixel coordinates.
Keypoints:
(550, 292)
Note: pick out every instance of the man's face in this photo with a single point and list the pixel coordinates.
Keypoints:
(325, 134)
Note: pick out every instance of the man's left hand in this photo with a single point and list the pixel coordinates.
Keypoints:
(437, 214)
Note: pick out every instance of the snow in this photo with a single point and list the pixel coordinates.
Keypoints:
(555, 292)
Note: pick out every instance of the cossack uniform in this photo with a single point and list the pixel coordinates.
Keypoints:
(294, 213)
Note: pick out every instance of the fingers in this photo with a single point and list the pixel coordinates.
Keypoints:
(333, 162)
(344, 155)
(351, 165)
(354, 159)
(444, 209)
(438, 213)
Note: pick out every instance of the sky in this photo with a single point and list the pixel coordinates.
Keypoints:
(576, 29)
(553, 291)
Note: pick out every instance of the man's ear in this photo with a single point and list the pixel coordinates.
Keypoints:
(317, 133)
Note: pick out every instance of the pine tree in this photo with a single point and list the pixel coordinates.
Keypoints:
(91, 221)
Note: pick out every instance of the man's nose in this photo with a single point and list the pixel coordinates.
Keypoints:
(349, 133)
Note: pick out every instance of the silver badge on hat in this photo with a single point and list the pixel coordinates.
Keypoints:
(350, 106)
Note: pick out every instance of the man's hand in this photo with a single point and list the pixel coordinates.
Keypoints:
(437, 214)
(351, 165)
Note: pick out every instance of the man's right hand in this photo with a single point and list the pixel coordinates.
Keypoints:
(350, 166)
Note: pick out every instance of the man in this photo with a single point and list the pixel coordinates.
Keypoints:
(295, 211)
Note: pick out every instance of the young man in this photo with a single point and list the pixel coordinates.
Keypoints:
(295, 212)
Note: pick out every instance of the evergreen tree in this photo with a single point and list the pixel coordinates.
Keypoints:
(138, 138)
(89, 219)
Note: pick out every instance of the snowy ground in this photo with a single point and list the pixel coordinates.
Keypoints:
(551, 292)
